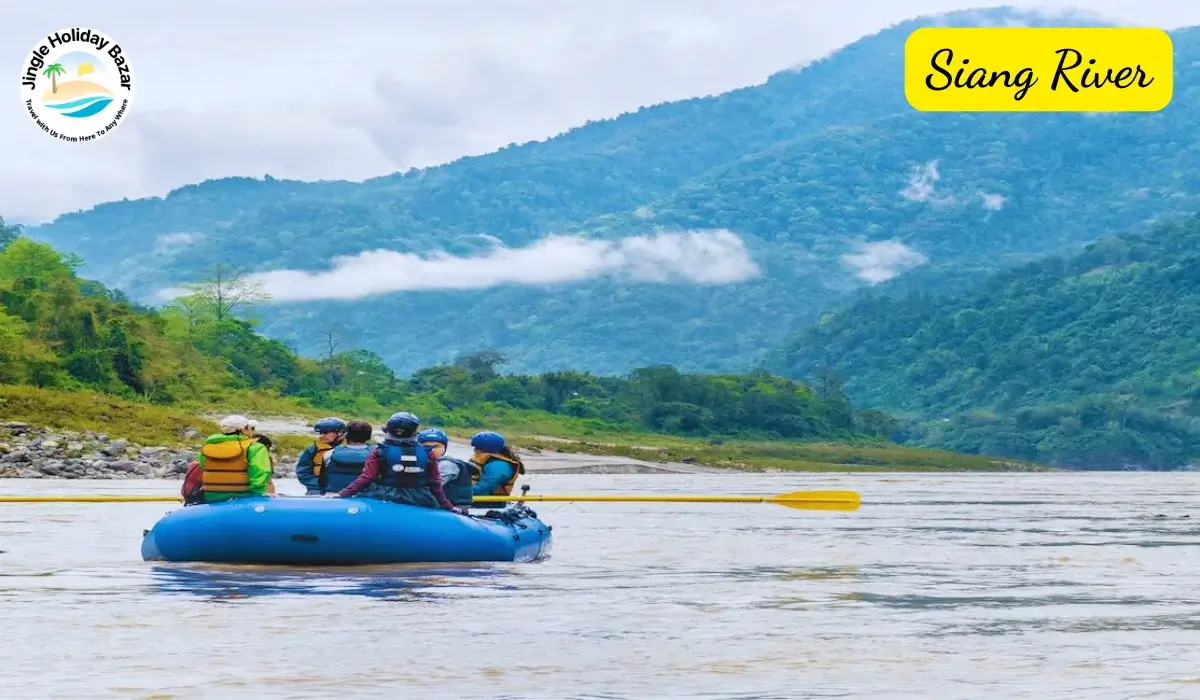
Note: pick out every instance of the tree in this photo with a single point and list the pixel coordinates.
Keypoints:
(53, 71)
(333, 334)
(876, 423)
(481, 365)
(226, 291)
(8, 233)
(829, 384)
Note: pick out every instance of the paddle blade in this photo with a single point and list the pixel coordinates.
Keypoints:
(819, 500)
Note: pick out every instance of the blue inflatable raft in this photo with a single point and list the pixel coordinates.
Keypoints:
(343, 532)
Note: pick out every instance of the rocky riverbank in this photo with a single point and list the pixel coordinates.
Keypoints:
(29, 452)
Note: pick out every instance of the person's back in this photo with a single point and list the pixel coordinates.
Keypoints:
(403, 472)
(233, 463)
(455, 473)
(345, 462)
(494, 467)
(456, 480)
(311, 464)
(192, 489)
(400, 469)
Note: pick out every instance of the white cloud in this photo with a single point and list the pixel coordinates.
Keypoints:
(697, 257)
(352, 89)
(882, 260)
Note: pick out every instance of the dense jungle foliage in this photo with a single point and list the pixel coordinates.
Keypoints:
(1091, 360)
(63, 332)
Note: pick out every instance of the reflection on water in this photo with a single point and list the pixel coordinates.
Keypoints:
(968, 586)
(225, 582)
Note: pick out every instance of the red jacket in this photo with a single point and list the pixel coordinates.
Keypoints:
(193, 484)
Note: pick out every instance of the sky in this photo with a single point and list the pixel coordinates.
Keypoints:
(350, 89)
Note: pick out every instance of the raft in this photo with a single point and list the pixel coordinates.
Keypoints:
(342, 532)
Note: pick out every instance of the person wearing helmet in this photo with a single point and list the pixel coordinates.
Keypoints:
(400, 469)
(345, 462)
(494, 467)
(312, 460)
(456, 474)
(233, 464)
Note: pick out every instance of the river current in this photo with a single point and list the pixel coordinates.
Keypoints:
(1040, 586)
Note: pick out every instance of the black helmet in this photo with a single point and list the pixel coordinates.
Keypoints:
(402, 424)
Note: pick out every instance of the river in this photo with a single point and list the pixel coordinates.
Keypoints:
(1040, 586)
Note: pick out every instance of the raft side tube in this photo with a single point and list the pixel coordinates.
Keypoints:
(351, 531)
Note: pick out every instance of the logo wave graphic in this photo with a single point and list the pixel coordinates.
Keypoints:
(83, 107)
(77, 98)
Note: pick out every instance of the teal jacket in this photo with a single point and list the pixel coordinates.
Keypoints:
(495, 473)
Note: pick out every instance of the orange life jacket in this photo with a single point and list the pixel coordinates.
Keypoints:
(319, 455)
(226, 466)
(481, 458)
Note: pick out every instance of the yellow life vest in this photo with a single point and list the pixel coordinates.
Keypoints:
(319, 455)
(481, 458)
(226, 466)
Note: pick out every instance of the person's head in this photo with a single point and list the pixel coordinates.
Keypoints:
(402, 425)
(266, 442)
(358, 432)
(329, 429)
(236, 424)
(435, 440)
(487, 441)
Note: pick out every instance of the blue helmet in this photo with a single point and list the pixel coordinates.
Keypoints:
(402, 424)
(330, 425)
(434, 435)
(487, 441)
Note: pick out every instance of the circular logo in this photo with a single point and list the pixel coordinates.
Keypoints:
(76, 84)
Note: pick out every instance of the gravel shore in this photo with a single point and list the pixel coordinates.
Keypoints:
(32, 452)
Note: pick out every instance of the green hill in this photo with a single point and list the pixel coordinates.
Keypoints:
(1091, 360)
(831, 180)
(76, 355)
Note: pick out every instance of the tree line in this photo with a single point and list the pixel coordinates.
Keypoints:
(58, 330)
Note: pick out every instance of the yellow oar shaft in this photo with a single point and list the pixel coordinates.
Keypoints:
(805, 500)
(88, 499)
(642, 499)
(801, 500)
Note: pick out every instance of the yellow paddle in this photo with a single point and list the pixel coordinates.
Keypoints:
(88, 499)
(802, 500)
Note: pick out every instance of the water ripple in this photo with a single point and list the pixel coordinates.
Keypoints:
(980, 586)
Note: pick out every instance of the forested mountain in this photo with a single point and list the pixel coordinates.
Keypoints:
(828, 176)
(60, 331)
(1091, 360)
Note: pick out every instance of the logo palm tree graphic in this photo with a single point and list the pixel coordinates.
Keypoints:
(53, 71)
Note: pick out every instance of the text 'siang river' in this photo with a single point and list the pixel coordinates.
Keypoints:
(1023, 69)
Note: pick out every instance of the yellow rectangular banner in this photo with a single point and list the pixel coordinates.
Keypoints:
(1037, 69)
